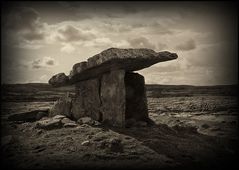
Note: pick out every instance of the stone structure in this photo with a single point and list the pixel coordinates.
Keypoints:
(107, 89)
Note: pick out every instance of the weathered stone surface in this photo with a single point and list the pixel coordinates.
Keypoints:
(87, 100)
(62, 107)
(59, 117)
(49, 124)
(59, 79)
(28, 116)
(86, 120)
(136, 101)
(113, 98)
(115, 59)
(67, 120)
(69, 125)
(85, 143)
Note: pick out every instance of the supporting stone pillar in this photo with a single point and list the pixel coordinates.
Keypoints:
(111, 98)
(136, 101)
(87, 99)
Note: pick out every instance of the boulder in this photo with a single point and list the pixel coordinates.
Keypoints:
(28, 116)
(86, 120)
(69, 125)
(66, 120)
(49, 124)
(59, 117)
(59, 79)
(62, 107)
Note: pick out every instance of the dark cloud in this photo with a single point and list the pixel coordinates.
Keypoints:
(141, 42)
(24, 23)
(186, 46)
(71, 34)
(43, 63)
(22, 18)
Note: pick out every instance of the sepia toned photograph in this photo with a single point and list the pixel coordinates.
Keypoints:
(119, 85)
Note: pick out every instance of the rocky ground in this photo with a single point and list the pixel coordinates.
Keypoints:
(193, 128)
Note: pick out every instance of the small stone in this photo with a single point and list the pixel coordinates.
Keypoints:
(59, 117)
(85, 143)
(96, 123)
(115, 145)
(86, 120)
(41, 114)
(67, 120)
(49, 124)
(69, 125)
(39, 132)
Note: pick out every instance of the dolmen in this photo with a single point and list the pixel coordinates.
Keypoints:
(106, 87)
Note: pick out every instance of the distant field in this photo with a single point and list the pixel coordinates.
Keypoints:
(45, 92)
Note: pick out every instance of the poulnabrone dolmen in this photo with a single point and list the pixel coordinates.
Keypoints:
(107, 89)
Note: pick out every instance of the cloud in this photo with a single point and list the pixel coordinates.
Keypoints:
(71, 34)
(68, 48)
(186, 46)
(43, 63)
(23, 28)
(141, 42)
(162, 46)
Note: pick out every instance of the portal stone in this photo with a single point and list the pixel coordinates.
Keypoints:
(136, 101)
(87, 99)
(113, 98)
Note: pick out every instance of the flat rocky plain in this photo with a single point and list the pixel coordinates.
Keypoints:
(194, 127)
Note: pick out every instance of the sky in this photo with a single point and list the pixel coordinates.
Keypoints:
(40, 39)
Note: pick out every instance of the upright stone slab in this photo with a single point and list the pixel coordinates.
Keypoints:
(113, 98)
(136, 101)
(87, 99)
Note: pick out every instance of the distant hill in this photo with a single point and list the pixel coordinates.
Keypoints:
(45, 92)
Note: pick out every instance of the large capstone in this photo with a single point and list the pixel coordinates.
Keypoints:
(113, 59)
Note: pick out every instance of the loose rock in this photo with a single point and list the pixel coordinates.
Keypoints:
(69, 125)
(62, 107)
(86, 120)
(59, 80)
(49, 124)
(28, 116)
(85, 143)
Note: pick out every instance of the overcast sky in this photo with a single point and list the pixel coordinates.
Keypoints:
(40, 39)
